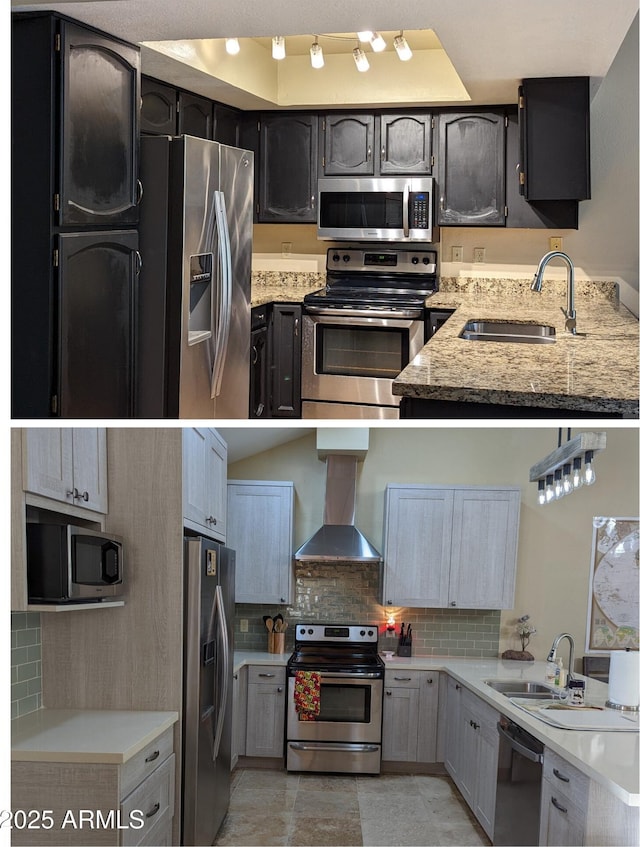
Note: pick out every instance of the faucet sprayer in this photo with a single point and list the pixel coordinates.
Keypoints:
(536, 285)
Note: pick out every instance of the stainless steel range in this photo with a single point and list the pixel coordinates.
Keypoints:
(345, 734)
(360, 331)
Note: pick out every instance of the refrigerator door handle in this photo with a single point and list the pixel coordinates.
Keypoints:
(222, 626)
(226, 282)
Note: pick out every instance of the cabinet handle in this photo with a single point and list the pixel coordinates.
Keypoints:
(282, 600)
(153, 811)
(153, 756)
(442, 203)
(139, 191)
(295, 327)
(84, 496)
(389, 602)
(383, 153)
(267, 675)
(368, 154)
(558, 806)
(72, 493)
(458, 687)
(429, 681)
(402, 678)
(212, 520)
(560, 776)
(313, 201)
(254, 350)
(138, 262)
(388, 693)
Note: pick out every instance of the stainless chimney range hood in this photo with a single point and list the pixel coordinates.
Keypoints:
(338, 539)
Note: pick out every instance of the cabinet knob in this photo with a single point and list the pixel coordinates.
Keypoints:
(429, 681)
(280, 689)
(85, 496)
(212, 520)
(282, 600)
(388, 693)
(453, 603)
(458, 687)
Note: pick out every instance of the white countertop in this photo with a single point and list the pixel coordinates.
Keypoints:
(610, 758)
(81, 735)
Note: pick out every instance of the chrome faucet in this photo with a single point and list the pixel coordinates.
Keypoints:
(536, 285)
(554, 647)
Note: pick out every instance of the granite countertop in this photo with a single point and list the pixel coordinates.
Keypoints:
(283, 286)
(84, 735)
(596, 372)
(610, 758)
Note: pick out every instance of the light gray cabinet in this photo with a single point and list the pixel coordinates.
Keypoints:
(239, 717)
(452, 736)
(563, 803)
(67, 465)
(204, 482)
(410, 716)
(450, 546)
(266, 696)
(260, 530)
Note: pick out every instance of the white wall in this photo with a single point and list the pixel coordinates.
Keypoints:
(555, 541)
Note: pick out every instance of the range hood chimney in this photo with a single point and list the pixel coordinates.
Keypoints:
(338, 539)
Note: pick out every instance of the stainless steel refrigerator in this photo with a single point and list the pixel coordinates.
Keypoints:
(209, 590)
(194, 300)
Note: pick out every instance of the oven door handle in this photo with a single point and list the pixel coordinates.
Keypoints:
(403, 314)
(350, 675)
(327, 745)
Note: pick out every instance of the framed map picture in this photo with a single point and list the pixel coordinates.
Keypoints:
(614, 585)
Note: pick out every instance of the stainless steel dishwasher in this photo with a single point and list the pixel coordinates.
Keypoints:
(517, 817)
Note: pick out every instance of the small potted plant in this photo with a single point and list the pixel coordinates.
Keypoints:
(524, 630)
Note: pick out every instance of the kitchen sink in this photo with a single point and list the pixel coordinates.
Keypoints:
(507, 331)
(521, 688)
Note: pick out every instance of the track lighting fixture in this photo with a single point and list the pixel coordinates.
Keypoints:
(561, 472)
(359, 57)
(278, 50)
(402, 48)
(317, 57)
(366, 36)
(377, 42)
(232, 46)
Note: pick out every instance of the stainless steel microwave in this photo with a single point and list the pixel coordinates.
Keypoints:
(71, 564)
(376, 209)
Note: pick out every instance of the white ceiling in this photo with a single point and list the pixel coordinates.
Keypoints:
(492, 43)
(243, 442)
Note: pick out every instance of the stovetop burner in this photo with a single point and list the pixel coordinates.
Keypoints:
(336, 648)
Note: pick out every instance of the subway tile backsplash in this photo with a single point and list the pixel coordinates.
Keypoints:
(344, 593)
(26, 663)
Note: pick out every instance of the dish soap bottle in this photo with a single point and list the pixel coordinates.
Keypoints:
(559, 674)
(550, 673)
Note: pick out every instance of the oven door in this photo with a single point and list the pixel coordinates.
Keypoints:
(354, 359)
(350, 711)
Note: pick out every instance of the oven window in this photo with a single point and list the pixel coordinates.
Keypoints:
(378, 352)
(361, 209)
(345, 703)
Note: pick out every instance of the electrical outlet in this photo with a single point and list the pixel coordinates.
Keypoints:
(555, 243)
(286, 248)
(244, 625)
(456, 254)
(478, 254)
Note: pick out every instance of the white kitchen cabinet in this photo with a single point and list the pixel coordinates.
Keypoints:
(144, 784)
(266, 696)
(452, 743)
(410, 716)
(204, 482)
(260, 530)
(67, 465)
(473, 748)
(563, 803)
(450, 546)
(239, 716)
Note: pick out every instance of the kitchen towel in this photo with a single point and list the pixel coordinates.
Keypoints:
(306, 695)
(624, 678)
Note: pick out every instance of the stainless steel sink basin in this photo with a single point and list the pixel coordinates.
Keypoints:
(507, 331)
(521, 688)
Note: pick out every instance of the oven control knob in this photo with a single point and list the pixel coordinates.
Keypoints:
(346, 258)
(370, 633)
(362, 633)
(310, 632)
(336, 257)
(302, 631)
(414, 260)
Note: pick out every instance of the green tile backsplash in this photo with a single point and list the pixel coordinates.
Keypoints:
(26, 663)
(344, 593)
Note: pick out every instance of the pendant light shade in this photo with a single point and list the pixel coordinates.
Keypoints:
(232, 46)
(377, 42)
(278, 50)
(402, 48)
(359, 57)
(317, 57)
(367, 35)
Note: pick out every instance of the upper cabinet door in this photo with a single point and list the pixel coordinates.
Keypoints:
(288, 168)
(471, 161)
(158, 114)
(405, 143)
(99, 131)
(195, 116)
(348, 145)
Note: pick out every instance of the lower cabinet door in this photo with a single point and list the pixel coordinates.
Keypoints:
(97, 280)
(561, 821)
(400, 724)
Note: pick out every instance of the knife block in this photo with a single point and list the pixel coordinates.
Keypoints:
(404, 650)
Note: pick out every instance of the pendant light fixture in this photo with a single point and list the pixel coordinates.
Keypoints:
(377, 42)
(402, 47)
(278, 50)
(317, 57)
(562, 472)
(359, 57)
(232, 46)
(366, 35)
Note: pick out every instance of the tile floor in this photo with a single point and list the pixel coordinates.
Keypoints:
(276, 808)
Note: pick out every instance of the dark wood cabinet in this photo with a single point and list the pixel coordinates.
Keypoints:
(75, 144)
(541, 214)
(287, 171)
(405, 143)
(348, 145)
(159, 110)
(259, 405)
(471, 162)
(195, 115)
(555, 138)
(226, 124)
(286, 359)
